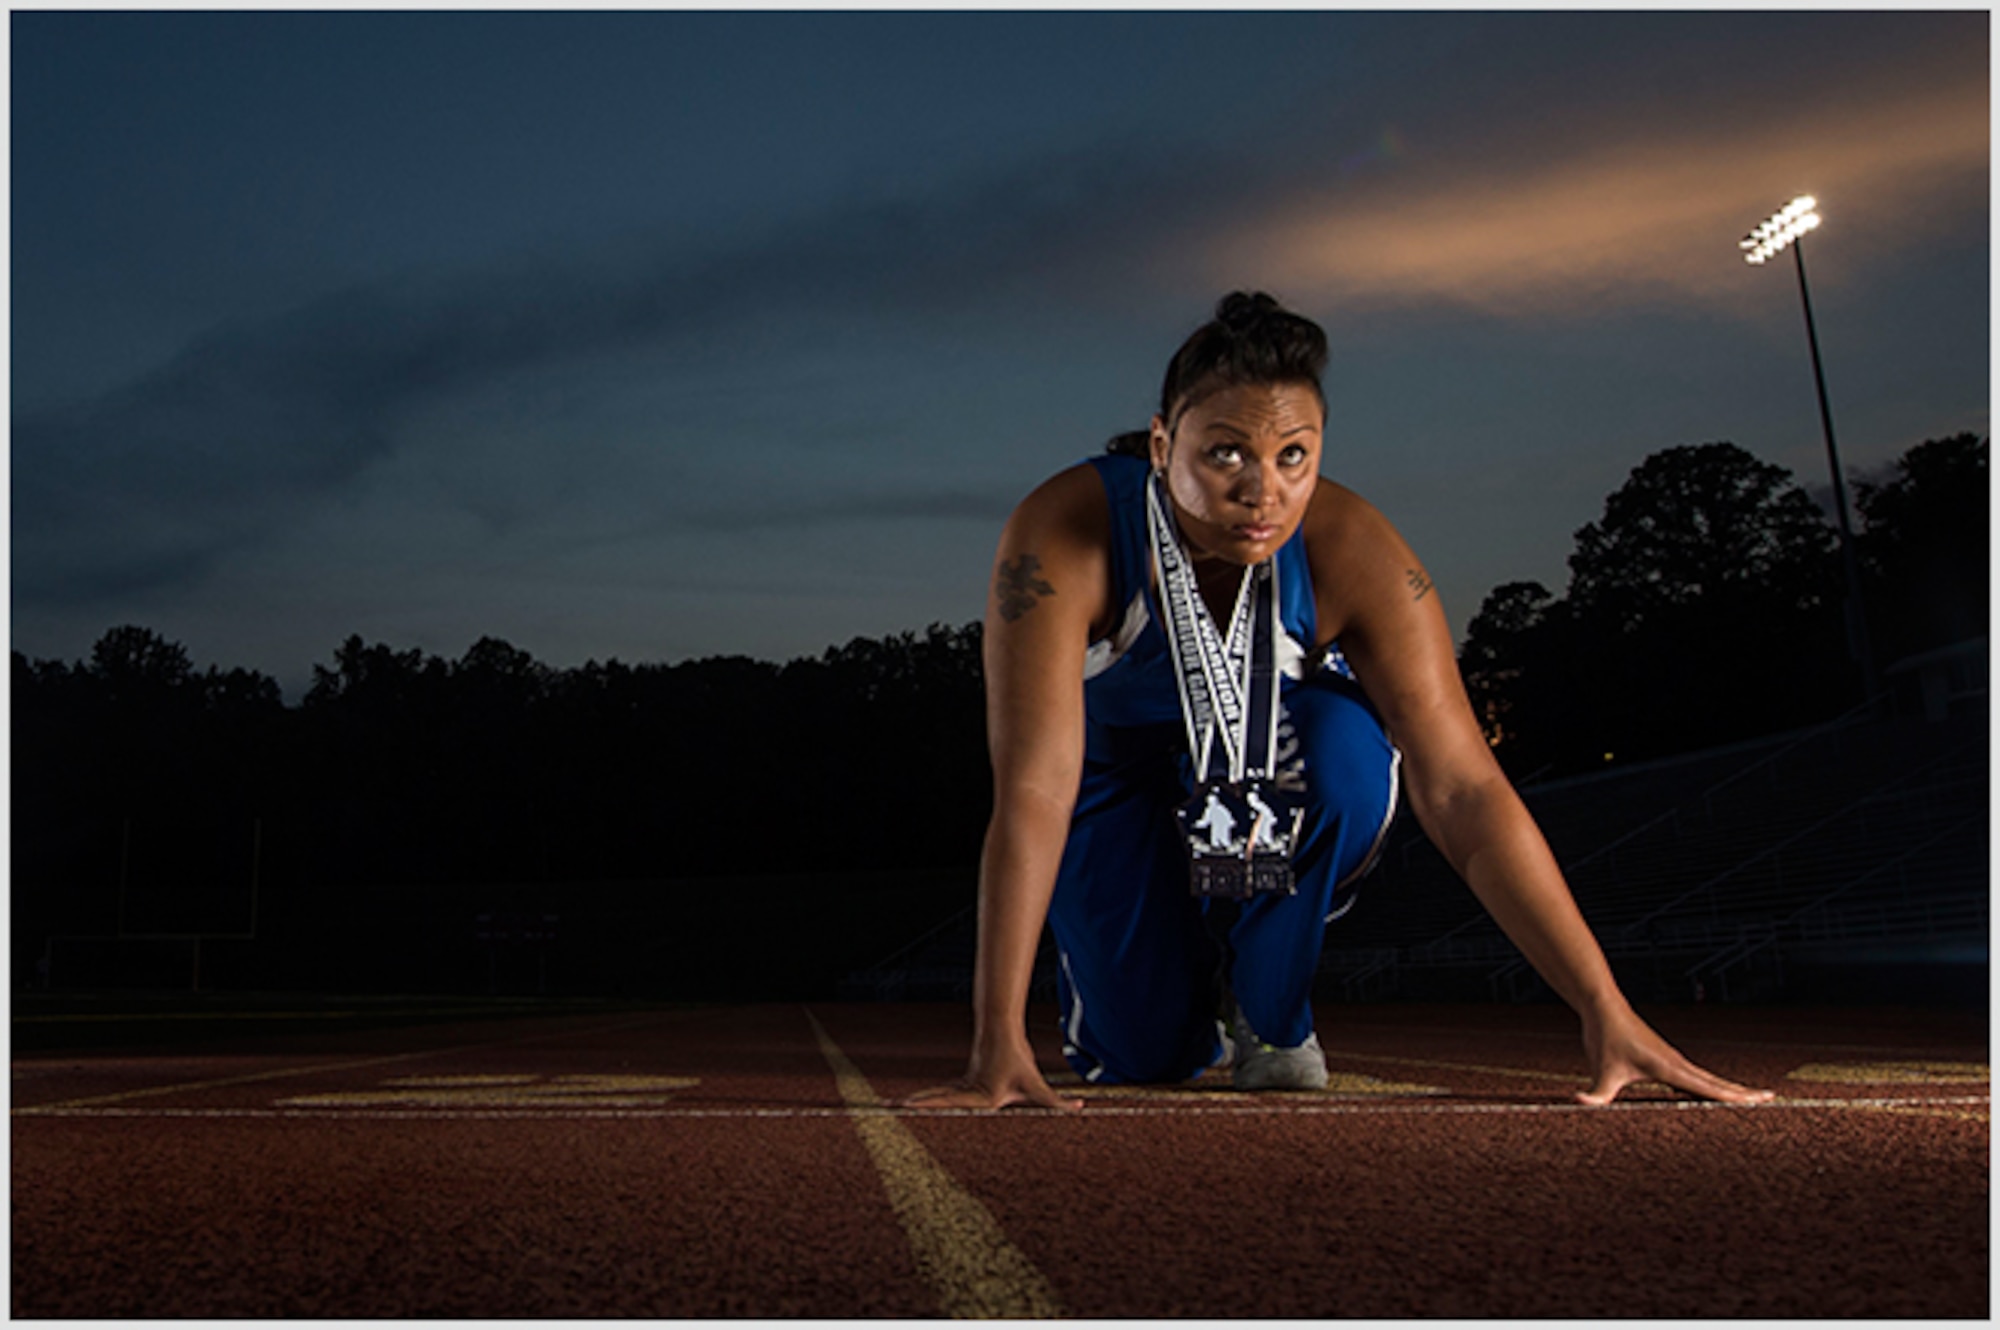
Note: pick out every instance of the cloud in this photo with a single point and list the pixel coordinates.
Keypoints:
(1589, 219)
(951, 505)
(150, 483)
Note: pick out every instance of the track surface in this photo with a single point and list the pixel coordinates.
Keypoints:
(746, 1161)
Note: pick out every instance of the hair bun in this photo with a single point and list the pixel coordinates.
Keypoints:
(1245, 309)
(1251, 339)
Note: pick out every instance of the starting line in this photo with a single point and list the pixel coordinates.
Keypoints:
(1945, 1105)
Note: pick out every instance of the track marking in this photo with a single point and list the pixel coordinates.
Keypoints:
(1460, 1066)
(1904, 1072)
(507, 1092)
(151, 1091)
(1785, 1045)
(1909, 1071)
(958, 1245)
(283, 1073)
(1985, 1116)
(1340, 1084)
(1973, 1106)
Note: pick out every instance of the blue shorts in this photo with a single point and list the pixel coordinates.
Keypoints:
(1139, 965)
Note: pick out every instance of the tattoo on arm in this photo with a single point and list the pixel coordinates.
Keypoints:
(1419, 581)
(1018, 589)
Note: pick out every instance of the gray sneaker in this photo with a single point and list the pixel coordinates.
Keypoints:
(1260, 1066)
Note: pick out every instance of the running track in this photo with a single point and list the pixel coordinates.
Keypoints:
(748, 1161)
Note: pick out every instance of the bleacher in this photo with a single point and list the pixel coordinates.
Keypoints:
(1715, 874)
(1702, 876)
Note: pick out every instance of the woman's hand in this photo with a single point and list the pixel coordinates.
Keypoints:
(1624, 1050)
(994, 1081)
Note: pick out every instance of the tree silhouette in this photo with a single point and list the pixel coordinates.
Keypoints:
(1924, 545)
(1498, 652)
(1705, 525)
(1699, 610)
(136, 663)
(139, 788)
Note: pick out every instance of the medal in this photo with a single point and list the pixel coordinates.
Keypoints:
(1238, 828)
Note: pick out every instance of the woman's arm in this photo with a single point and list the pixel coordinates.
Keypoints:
(1381, 606)
(1050, 588)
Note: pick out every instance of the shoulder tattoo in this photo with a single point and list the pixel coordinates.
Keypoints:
(1018, 589)
(1419, 581)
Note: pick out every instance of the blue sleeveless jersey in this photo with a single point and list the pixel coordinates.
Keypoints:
(1129, 677)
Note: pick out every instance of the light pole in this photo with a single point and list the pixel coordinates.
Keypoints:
(1780, 230)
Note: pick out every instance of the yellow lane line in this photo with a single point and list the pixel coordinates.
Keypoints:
(1901, 1071)
(123, 1096)
(283, 1073)
(958, 1245)
(1986, 1116)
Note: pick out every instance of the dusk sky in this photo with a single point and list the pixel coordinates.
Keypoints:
(664, 335)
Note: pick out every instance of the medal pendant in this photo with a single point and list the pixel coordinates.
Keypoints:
(1239, 838)
(1228, 879)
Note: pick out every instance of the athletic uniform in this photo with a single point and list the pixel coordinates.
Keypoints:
(1138, 964)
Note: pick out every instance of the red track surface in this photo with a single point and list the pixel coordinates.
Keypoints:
(710, 1163)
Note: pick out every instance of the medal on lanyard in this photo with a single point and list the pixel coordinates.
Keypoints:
(1239, 830)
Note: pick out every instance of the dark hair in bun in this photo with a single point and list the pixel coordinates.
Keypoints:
(1251, 340)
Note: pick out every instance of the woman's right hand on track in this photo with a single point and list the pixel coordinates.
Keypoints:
(996, 1081)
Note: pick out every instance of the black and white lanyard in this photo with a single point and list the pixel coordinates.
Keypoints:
(1228, 687)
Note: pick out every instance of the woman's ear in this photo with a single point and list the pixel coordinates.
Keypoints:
(1160, 444)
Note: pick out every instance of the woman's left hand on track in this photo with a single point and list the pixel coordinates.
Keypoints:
(1004, 1078)
(1624, 1050)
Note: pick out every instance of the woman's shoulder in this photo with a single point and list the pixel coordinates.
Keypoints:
(1075, 500)
(1339, 519)
(1061, 533)
(1065, 522)
(1356, 554)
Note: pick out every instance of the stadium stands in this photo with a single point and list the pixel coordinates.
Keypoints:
(1853, 844)
(1856, 848)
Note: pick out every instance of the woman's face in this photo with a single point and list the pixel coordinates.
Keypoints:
(1241, 465)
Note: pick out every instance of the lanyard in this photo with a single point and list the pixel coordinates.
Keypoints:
(1228, 686)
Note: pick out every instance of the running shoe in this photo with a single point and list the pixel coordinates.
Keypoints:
(1261, 1066)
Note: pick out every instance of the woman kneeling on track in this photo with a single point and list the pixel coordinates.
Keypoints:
(1208, 670)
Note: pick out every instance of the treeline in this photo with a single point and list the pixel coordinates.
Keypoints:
(139, 779)
(1709, 604)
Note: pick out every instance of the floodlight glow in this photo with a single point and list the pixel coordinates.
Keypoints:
(1780, 229)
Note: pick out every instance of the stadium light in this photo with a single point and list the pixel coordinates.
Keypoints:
(1781, 230)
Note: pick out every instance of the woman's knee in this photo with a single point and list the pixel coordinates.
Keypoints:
(1333, 751)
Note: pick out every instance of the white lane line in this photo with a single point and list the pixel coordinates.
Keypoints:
(962, 1251)
(1098, 1108)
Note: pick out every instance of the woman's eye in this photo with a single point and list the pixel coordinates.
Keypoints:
(1225, 454)
(1292, 456)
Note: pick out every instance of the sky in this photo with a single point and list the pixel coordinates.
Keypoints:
(661, 335)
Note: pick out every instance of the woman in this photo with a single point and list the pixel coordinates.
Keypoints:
(1185, 835)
